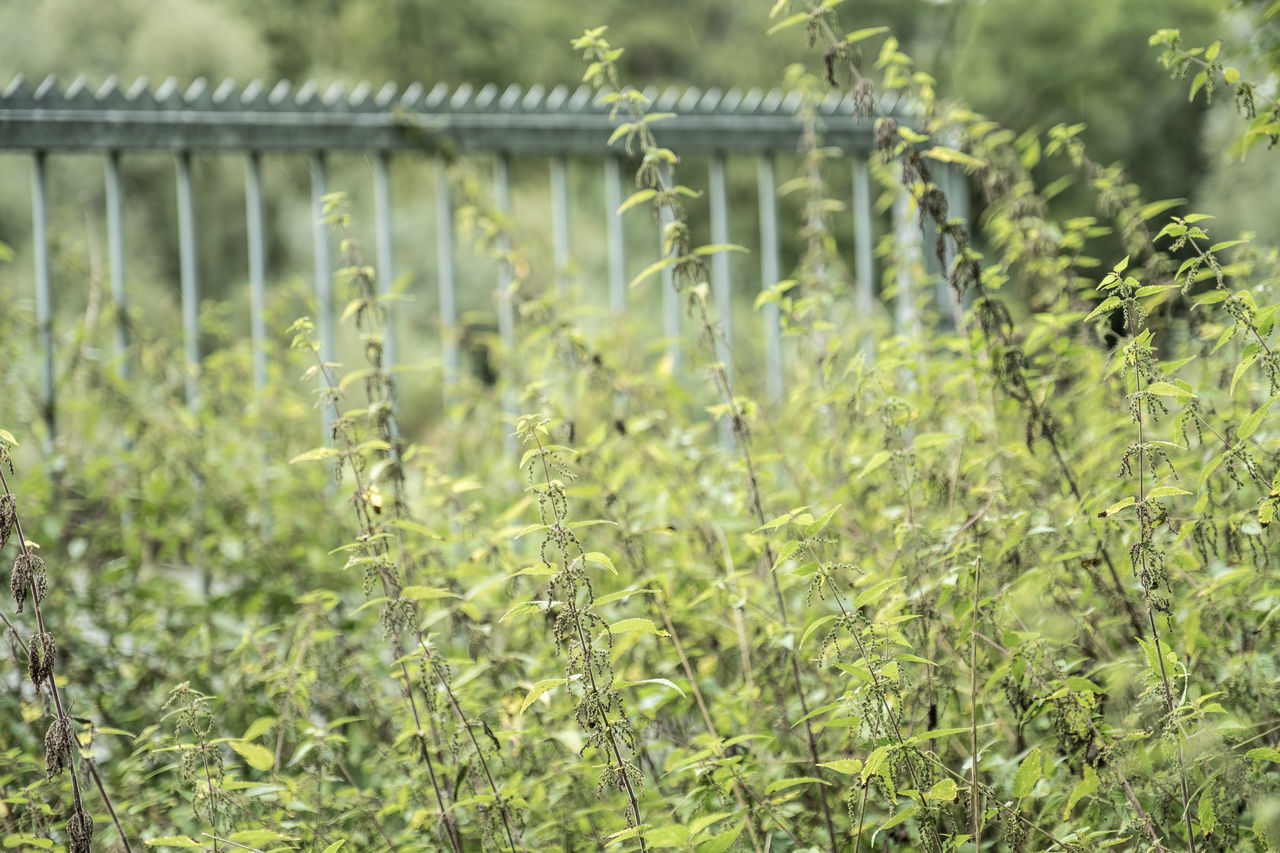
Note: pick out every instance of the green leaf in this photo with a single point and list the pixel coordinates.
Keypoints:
(1205, 814)
(790, 21)
(875, 462)
(1264, 753)
(1250, 425)
(634, 625)
(164, 841)
(864, 33)
(539, 690)
(600, 559)
(1029, 771)
(257, 756)
(315, 454)
(1084, 788)
(1117, 506)
(671, 835)
(951, 155)
(1104, 307)
(1165, 492)
(655, 267)
(847, 766)
(259, 837)
(791, 782)
(426, 593)
(1244, 365)
(637, 197)
(619, 595)
(721, 842)
(715, 248)
(901, 817)
(873, 593)
(944, 791)
(7, 438)
(814, 626)
(665, 682)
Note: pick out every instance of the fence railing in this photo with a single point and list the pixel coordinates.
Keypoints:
(258, 122)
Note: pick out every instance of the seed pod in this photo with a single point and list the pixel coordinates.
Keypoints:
(57, 746)
(80, 832)
(8, 516)
(20, 580)
(40, 653)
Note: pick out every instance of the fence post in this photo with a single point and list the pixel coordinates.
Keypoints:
(44, 294)
(560, 223)
(323, 275)
(189, 282)
(720, 275)
(115, 260)
(506, 315)
(769, 274)
(670, 299)
(445, 273)
(383, 254)
(257, 267)
(617, 245)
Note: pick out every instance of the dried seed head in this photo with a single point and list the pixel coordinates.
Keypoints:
(8, 516)
(57, 746)
(28, 574)
(80, 832)
(886, 134)
(40, 653)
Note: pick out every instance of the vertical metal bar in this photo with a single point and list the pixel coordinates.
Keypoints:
(44, 293)
(720, 274)
(863, 248)
(958, 205)
(323, 272)
(190, 285)
(445, 275)
(769, 274)
(670, 299)
(257, 267)
(907, 252)
(617, 253)
(506, 316)
(382, 248)
(115, 260)
(560, 223)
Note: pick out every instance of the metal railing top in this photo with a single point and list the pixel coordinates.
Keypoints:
(281, 118)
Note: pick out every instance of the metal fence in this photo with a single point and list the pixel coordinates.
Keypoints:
(258, 122)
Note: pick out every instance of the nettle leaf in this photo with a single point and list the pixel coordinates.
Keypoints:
(847, 766)
(426, 593)
(1264, 753)
(257, 756)
(1084, 788)
(814, 626)
(1250, 425)
(162, 841)
(1117, 506)
(539, 690)
(636, 624)
(1029, 771)
(944, 791)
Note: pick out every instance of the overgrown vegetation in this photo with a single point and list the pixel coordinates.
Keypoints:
(1011, 587)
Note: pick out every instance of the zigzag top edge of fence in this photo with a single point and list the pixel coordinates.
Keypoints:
(312, 97)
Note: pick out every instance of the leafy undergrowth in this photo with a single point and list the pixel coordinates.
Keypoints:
(1008, 588)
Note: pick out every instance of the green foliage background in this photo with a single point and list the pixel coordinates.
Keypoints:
(1011, 588)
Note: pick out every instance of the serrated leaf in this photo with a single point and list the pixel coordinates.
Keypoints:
(335, 846)
(901, 817)
(539, 690)
(7, 438)
(315, 454)
(1084, 788)
(1250, 425)
(636, 624)
(864, 33)
(875, 462)
(426, 593)
(789, 21)
(256, 755)
(847, 766)
(1244, 365)
(170, 841)
(259, 837)
(872, 594)
(714, 248)
(720, 842)
(950, 155)
(655, 267)
(637, 197)
(783, 784)
(813, 626)
(1104, 307)
(944, 791)
(620, 594)
(1165, 492)
(1117, 506)
(1029, 771)
(600, 560)
(665, 682)
(1264, 753)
